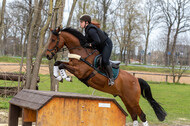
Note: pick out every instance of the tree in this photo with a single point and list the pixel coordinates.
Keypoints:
(2, 11)
(180, 63)
(105, 6)
(181, 8)
(134, 26)
(71, 12)
(119, 30)
(37, 10)
(41, 48)
(57, 21)
(127, 28)
(168, 18)
(150, 22)
(175, 15)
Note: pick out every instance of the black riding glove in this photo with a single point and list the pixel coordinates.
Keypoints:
(87, 45)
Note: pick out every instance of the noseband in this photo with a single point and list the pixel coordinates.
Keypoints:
(56, 48)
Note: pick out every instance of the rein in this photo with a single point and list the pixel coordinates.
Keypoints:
(74, 48)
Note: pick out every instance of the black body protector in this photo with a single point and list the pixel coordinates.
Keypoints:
(99, 44)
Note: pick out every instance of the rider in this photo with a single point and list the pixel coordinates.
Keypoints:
(98, 39)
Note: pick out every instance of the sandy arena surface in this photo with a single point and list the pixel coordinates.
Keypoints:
(10, 67)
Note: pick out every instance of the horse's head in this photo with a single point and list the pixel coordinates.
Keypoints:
(56, 42)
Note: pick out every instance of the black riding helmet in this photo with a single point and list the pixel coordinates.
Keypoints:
(85, 18)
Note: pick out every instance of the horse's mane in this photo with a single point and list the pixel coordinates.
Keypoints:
(77, 34)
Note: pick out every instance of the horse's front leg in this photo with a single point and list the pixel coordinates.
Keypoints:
(59, 73)
(67, 67)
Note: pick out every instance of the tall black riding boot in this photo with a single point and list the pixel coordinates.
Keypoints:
(110, 75)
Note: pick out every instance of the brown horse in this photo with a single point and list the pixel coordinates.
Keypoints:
(126, 86)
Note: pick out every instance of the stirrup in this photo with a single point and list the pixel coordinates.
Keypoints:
(111, 82)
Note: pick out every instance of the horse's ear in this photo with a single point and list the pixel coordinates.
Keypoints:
(58, 29)
(51, 29)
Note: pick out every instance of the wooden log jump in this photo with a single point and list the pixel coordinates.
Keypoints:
(47, 108)
(8, 90)
(14, 77)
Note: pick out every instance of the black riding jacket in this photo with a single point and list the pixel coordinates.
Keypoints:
(95, 36)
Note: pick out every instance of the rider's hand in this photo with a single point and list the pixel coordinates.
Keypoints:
(88, 45)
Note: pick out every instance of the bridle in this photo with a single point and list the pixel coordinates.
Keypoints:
(56, 48)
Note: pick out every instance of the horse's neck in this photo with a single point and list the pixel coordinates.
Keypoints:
(74, 46)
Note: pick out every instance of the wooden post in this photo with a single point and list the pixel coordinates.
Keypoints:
(133, 74)
(166, 78)
(26, 123)
(28, 116)
(13, 115)
(174, 79)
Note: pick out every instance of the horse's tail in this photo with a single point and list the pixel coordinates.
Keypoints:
(146, 93)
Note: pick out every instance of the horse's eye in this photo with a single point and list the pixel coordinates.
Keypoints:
(53, 40)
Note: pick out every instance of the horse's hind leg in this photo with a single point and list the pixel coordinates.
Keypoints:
(135, 110)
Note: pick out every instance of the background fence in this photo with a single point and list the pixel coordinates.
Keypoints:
(8, 83)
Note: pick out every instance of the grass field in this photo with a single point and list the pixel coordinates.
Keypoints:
(9, 59)
(173, 97)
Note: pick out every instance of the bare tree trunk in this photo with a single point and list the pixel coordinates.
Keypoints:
(41, 49)
(15, 43)
(22, 56)
(121, 55)
(5, 34)
(35, 35)
(71, 12)
(146, 47)
(167, 47)
(60, 12)
(106, 5)
(24, 44)
(84, 7)
(37, 10)
(57, 20)
(173, 46)
(2, 23)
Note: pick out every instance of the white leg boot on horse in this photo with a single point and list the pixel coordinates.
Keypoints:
(56, 73)
(135, 123)
(64, 75)
(145, 123)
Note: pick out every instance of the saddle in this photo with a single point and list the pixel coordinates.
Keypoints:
(114, 64)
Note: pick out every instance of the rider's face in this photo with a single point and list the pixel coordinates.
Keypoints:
(82, 24)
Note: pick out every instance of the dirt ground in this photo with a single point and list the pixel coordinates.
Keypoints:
(10, 67)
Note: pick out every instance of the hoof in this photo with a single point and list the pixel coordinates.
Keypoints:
(61, 80)
(57, 63)
(69, 79)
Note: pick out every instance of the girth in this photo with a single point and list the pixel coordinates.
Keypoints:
(92, 74)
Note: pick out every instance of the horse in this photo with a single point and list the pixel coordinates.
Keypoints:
(127, 87)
